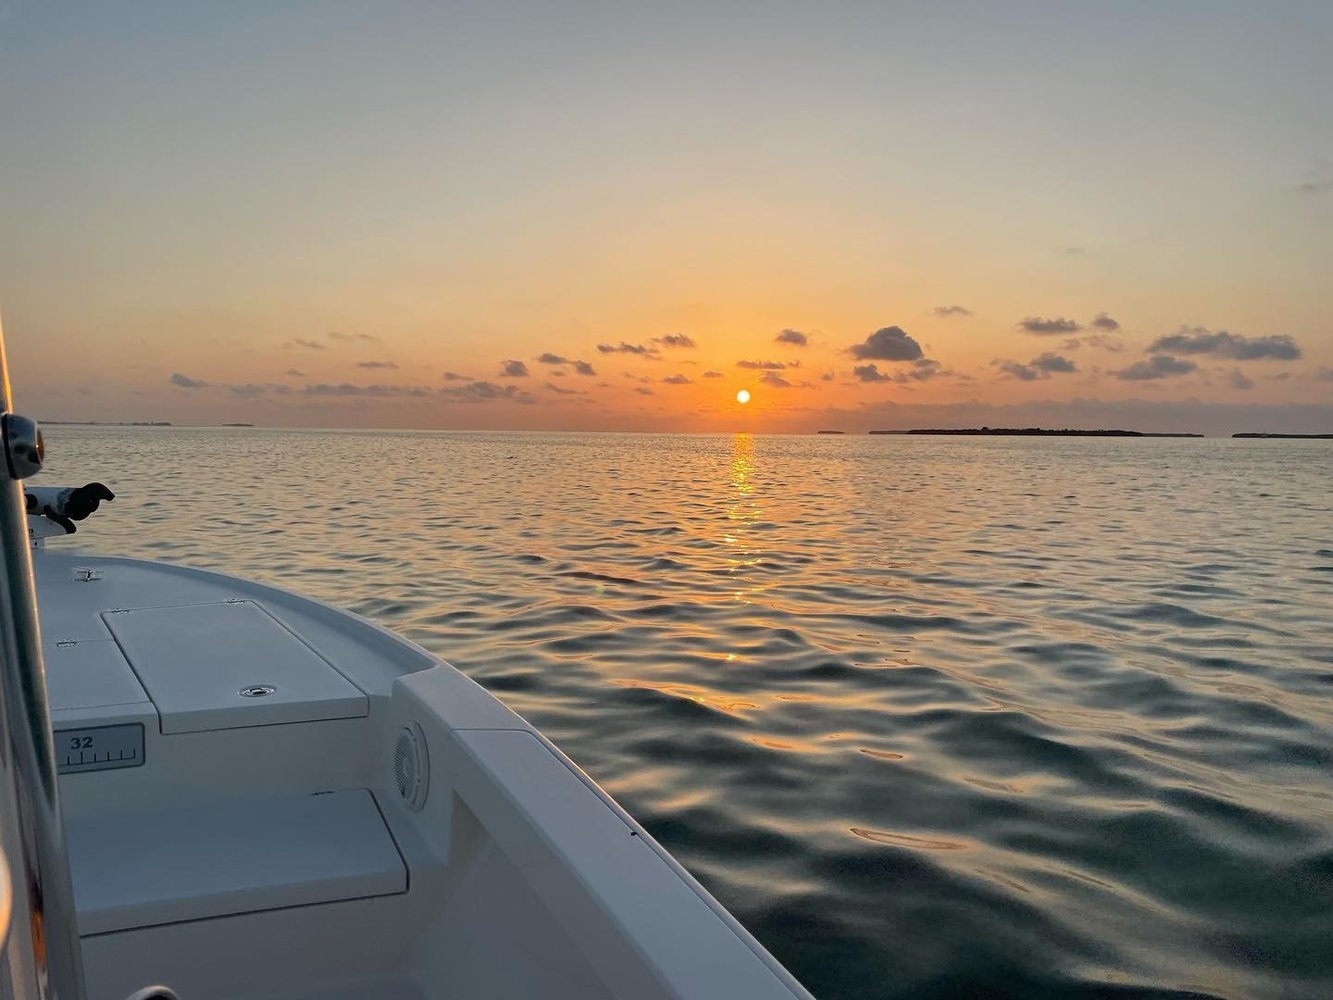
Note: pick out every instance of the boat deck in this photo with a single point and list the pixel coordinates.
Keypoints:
(268, 797)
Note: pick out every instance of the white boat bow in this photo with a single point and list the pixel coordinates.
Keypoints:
(265, 796)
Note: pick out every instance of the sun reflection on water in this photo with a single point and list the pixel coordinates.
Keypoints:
(742, 463)
(743, 511)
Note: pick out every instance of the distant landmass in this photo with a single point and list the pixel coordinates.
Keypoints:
(123, 423)
(832, 432)
(1305, 437)
(108, 423)
(1038, 432)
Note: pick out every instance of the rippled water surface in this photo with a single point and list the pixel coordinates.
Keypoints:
(932, 716)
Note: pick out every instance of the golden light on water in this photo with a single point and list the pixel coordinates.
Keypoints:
(742, 465)
(743, 396)
(742, 514)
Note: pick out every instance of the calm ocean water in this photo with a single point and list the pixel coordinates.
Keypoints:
(931, 716)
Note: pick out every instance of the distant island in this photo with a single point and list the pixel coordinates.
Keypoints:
(1037, 432)
(831, 432)
(1302, 437)
(236, 425)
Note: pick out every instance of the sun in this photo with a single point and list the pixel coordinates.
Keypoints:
(743, 396)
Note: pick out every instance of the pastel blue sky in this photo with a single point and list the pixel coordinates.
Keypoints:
(201, 190)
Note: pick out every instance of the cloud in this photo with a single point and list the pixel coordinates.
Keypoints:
(455, 377)
(487, 392)
(1040, 367)
(871, 373)
(923, 369)
(312, 345)
(794, 337)
(1221, 344)
(827, 377)
(774, 381)
(1238, 380)
(513, 369)
(643, 390)
(564, 392)
(624, 348)
(294, 373)
(1049, 362)
(770, 366)
(1325, 375)
(675, 340)
(1018, 370)
(1104, 322)
(1320, 179)
(374, 391)
(365, 337)
(891, 343)
(677, 380)
(920, 370)
(185, 382)
(1158, 366)
(1105, 342)
(547, 358)
(376, 364)
(944, 312)
(1049, 327)
(253, 390)
(711, 374)
(1102, 341)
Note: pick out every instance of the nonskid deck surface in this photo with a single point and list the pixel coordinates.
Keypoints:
(246, 772)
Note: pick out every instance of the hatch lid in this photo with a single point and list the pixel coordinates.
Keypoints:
(229, 665)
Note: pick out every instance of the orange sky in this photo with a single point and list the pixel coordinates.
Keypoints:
(308, 216)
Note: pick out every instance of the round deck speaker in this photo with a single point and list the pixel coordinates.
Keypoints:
(411, 766)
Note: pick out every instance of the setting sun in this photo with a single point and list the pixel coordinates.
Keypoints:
(743, 396)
